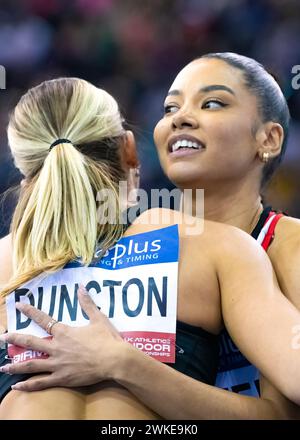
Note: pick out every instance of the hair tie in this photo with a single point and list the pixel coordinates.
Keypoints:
(58, 142)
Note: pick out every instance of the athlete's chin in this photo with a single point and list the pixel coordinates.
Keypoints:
(184, 178)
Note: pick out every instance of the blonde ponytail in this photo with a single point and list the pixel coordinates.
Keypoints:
(55, 220)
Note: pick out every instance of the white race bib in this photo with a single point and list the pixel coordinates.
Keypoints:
(135, 284)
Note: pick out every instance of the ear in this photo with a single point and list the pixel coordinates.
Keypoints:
(270, 139)
(23, 182)
(129, 153)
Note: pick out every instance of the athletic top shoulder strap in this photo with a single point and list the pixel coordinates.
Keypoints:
(265, 228)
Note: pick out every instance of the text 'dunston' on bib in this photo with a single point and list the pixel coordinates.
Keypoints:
(135, 284)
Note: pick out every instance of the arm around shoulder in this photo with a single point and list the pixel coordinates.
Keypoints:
(284, 253)
(257, 315)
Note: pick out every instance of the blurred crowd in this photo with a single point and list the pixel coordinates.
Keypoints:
(133, 48)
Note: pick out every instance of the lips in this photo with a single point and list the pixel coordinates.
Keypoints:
(185, 143)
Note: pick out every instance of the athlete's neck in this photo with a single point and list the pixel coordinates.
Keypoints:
(235, 205)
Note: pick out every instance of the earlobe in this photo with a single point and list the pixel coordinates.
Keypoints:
(270, 140)
(23, 183)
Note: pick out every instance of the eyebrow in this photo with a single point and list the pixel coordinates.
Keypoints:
(205, 89)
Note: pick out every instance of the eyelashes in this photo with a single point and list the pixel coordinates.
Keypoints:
(213, 101)
(208, 104)
(170, 109)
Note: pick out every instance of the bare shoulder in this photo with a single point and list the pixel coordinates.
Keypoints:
(202, 237)
(150, 220)
(164, 216)
(157, 218)
(284, 253)
(286, 237)
(5, 242)
(233, 246)
(5, 273)
(287, 228)
(197, 229)
(230, 237)
(5, 259)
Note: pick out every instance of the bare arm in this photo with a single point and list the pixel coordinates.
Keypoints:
(186, 398)
(284, 254)
(259, 318)
(6, 259)
(140, 374)
(145, 378)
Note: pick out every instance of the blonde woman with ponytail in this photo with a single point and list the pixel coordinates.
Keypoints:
(59, 198)
(67, 139)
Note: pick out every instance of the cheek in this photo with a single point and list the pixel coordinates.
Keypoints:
(224, 133)
(231, 139)
(160, 134)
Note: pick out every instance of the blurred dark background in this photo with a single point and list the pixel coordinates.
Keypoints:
(133, 49)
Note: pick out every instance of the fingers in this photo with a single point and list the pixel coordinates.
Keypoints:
(87, 304)
(41, 318)
(35, 366)
(92, 311)
(45, 321)
(41, 383)
(28, 341)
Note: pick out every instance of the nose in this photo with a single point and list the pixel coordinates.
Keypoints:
(183, 119)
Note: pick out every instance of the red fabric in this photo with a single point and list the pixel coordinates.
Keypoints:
(270, 234)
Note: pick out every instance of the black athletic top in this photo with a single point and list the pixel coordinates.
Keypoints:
(197, 353)
(7, 380)
(196, 356)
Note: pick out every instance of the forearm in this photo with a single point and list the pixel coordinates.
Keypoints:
(167, 392)
(175, 396)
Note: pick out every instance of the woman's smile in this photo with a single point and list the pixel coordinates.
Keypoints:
(184, 145)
